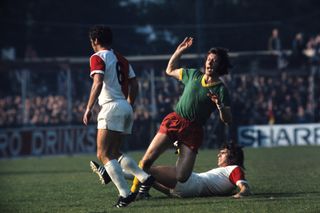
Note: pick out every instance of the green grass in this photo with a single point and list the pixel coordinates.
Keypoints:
(284, 179)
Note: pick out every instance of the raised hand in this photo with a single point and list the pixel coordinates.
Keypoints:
(187, 42)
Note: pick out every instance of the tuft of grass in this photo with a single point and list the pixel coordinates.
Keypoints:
(283, 179)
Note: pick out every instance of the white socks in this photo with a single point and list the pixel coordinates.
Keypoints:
(130, 166)
(115, 172)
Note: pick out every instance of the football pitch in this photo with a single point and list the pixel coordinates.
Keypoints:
(284, 179)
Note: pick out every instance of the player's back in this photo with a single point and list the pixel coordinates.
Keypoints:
(116, 71)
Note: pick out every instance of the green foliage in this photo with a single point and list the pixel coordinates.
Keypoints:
(283, 179)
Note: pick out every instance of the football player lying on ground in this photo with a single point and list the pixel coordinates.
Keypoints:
(216, 182)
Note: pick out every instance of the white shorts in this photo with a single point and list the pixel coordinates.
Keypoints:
(117, 116)
(191, 188)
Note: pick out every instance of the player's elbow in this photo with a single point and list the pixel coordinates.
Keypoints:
(97, 87)
(168, 71)
(98, 84)
(134, 86)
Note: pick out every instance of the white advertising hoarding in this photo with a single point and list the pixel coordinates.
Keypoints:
(279, 135)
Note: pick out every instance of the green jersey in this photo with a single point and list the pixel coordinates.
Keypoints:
(194, 104)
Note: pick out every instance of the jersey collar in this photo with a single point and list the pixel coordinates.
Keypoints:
(204, 84)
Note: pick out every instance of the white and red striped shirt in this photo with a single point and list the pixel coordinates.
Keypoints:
(218, 181)
(116, 70)
(221, 180)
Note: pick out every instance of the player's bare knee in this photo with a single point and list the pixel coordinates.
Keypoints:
(182, 177)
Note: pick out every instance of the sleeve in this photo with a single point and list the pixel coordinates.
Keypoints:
(224, 96)
(237, 176)
(186, 74)
(97, 65)
(131, 72)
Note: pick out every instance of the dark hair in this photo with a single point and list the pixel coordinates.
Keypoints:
(223, 56)
(102, 33)
(236, 156)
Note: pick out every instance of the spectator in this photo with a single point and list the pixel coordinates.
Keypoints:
(274, 44)
(298, 58)
(303, 116)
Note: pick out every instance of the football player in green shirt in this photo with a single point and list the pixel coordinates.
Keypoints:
(203, 93)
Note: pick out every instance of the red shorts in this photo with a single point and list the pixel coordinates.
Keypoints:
(182, 130)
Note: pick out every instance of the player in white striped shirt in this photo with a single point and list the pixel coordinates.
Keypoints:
(115, 87)
(218, 181)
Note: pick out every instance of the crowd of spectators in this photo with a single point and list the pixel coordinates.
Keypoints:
(46, 110)
(284, 97)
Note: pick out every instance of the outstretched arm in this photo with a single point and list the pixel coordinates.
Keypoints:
(173, 67)
(244, 190)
